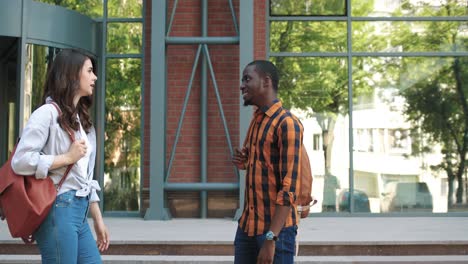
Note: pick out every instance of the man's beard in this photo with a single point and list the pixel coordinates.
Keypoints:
(247, 102)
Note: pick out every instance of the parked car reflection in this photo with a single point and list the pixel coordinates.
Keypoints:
(406, 197)
(361, 201)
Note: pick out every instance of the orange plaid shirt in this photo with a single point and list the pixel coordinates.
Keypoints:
(274, 140)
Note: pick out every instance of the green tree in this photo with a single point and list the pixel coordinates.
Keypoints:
(436, 93)
(123, 107)
(92, 8)
(123, 98)
(319, 86)
(122, 149)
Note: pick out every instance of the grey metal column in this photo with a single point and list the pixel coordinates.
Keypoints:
(246, 49)
(101, 103)
(143, 93)
(156, 210)
(204, 116)
(350, 106)
(22, 63)
(3, 115)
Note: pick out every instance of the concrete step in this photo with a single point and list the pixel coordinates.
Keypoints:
(132, 259)
(203, 248)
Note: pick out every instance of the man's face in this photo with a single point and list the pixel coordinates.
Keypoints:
(251, 86)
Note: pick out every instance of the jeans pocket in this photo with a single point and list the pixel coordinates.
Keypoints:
(64, 200)
(287, 240)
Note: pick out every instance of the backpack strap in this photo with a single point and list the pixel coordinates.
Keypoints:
(72, 139)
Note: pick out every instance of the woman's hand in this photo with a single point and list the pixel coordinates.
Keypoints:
(102, 234)
(77, 150)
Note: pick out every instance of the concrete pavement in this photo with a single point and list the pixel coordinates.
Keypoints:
(313, 230)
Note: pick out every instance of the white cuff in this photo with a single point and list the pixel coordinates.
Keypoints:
(45, 161)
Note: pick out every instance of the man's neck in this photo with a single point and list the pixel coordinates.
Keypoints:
(268, 102)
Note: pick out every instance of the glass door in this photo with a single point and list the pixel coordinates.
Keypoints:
(8, 95)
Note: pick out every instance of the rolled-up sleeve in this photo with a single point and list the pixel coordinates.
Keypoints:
(28, 158)
(92, 162)
(290, 138)
(94, 188)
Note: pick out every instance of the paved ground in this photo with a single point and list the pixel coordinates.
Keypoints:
(35, 259)
(318, 230)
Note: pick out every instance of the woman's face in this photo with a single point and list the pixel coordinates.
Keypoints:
(87, 79)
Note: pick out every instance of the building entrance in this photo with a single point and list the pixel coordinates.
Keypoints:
(8, 94)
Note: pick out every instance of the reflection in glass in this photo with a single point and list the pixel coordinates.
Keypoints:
(38, 58)
(316, 90)
(300, 36)
(409, 136)
(9, 94)
(125, 8)
(308, 7)
(397, 36)
(124, 37)
(92, 8)
(122, 135)
(412, 8)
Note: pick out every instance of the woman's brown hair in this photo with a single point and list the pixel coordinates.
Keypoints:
(62, 84)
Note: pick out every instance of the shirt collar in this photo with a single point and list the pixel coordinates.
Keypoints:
(271, 109)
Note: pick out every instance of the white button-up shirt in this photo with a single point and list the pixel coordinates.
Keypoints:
(42, 139)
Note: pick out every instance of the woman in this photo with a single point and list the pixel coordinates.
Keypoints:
(46, 150)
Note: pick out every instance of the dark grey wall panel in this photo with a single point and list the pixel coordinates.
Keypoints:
(10, 18)
(60, 26)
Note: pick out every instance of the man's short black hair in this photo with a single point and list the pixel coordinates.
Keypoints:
(267, 68)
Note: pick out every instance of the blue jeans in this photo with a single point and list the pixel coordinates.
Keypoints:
(65, 236)
(247, 248)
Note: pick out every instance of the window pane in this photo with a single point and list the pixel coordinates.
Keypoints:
(92, 8)
(124, 37)
(9, 94)
(316, 90)
(289, 36)
(410, 36)
(406, 132)
(38, 58)
(125, 8)
(408, 8)
(122, 135)
(308, 7)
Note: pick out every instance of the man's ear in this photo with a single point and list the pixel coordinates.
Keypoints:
(267, 82)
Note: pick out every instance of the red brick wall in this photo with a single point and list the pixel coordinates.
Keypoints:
(260, 10)
(225, 60)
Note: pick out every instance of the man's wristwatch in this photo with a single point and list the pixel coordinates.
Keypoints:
(271, 236)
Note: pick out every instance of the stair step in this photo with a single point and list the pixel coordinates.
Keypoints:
(134, 259)
(227, 249)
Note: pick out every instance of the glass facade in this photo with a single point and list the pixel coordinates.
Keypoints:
(382, 93)
(123, 105)
(122, 20)
(381, 88)
(122, 137)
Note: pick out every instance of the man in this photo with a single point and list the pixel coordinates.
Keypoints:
(270, 155)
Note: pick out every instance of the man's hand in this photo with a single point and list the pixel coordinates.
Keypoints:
(267, 252)
(240, 157)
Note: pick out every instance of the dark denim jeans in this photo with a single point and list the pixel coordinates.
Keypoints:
(65, 236)
(247, 248)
